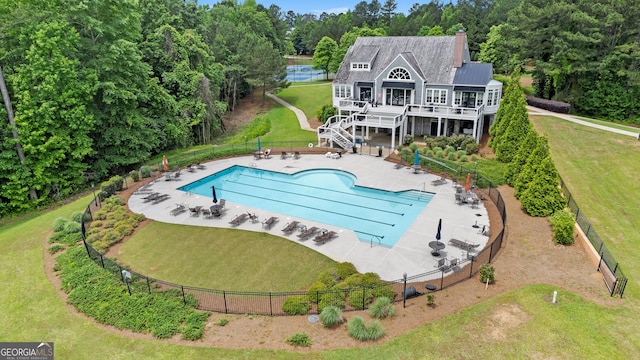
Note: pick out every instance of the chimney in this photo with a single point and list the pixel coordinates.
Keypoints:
(458, 52)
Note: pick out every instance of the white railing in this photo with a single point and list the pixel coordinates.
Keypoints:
(453, 112)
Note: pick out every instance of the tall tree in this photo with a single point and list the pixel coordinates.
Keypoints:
(388, 11)
(542, 196)
(265, 66)
(325, 50)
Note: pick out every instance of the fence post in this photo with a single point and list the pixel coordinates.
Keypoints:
(270, 305)
(470, 267)
(183, 297)
(441, 279)
(363, 298)
(491, 252)
(224, 296)
(101, 260)
(148, 286)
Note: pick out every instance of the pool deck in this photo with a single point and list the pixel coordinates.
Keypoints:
(410, 254)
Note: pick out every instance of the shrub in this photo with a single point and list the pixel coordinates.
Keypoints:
(328, 278)
(314, 292)
(487, 273)
(413, 147)
(461, 153)
(431, 300)
(333, 298)
(449, 149)
(325, 112)
(145, 171)
(360, 331)
(55, 249)
(360, 298)
(78, 215)
(71, 227)
(135, 175)
(345, 269)
(463, 158)
(222, 322)
(384, 291)
(408, 139)
(562, 222)
(296, 305)
(451, 156)
(551, 105)
(299, 339)
(472, 148)
(370, 278)
(343, 288)
(59, 224)
(331, 316)
(56, 237)
(124, 229)
(382, 308)
(354, 280)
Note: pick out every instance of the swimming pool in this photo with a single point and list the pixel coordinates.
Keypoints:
(327, 196)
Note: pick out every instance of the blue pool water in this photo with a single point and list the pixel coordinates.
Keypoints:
(323, 195)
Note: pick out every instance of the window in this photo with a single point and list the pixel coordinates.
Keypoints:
(342, 91)
(436, 96)
(490, 97)
(360, 66)
(496, 97)
(400, 74)
(479, 99)
(457, 100)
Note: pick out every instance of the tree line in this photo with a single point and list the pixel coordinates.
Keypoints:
(95, 87)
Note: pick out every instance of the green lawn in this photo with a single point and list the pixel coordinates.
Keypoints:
(223, 258)
(308, 97)
(601, 171)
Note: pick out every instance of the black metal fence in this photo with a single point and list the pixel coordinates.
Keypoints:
(618, 283)
(273, 303)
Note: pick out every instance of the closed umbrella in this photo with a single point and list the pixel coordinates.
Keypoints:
(165, 163)
(215, 198)
(258, 143)
(467, 186)
(416, 160)
(438, 236)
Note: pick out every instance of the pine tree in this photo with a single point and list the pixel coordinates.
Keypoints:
(515, 133)
(511, 92)
(543, 196)
(517, 164)
(529, 169)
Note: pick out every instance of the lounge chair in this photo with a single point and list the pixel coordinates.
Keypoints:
(239, 219)
(267, 153)
(329, 154)
(253, 217)
(179, 209)
(150, 197)
(206, 213)
(284, 155)
(257, 154)
(296, 155)
(269, 222)
(307, 233)
(325, 236)
(191, 168)
(440, 181)
(464, 245)
(400, 164)
(160, 198)
(200, 166)
(290, 227)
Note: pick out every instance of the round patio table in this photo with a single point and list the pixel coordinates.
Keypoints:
(436, 246)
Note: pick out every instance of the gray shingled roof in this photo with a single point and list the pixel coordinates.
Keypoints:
(473, 74)
(432, 55)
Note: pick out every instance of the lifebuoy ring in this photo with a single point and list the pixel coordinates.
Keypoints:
(310, 145)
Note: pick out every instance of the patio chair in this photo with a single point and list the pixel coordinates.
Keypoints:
(206, 213)
(307, 233)
(269, 222)
(195, 211)
(200, 166)
(239, 219)
(329, 154)
(400, 164)
(453, 265)
(253, 217)
(267, 153)
(290, 227)
(284, 155)
(296, 155)
(191, 168)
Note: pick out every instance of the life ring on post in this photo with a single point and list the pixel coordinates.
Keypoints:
(310, 145)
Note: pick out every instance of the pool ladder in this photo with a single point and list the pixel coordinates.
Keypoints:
(377, 237)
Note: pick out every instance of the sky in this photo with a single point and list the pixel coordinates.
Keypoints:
(318, 7)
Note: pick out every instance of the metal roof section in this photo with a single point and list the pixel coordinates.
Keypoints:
(473, 74)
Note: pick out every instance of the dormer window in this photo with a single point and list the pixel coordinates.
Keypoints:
(358, 66)
(399, 74)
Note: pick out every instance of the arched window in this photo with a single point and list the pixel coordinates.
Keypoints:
(399, 73)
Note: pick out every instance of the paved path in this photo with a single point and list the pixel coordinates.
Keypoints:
(536, 111)
(302, 118)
